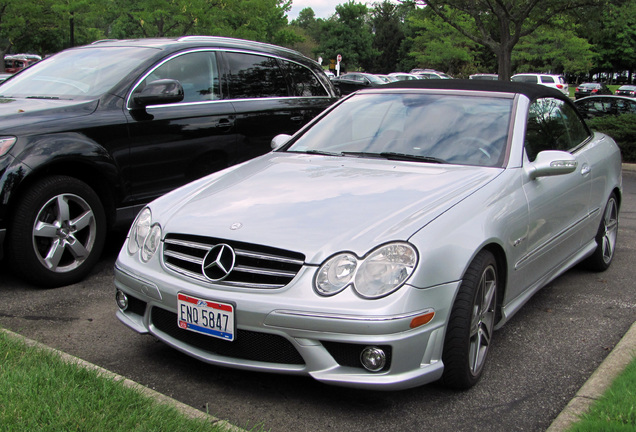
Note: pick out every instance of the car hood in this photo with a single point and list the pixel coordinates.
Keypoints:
(20, 112)
(319, 205)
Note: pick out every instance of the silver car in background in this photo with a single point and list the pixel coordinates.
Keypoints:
(381, 245)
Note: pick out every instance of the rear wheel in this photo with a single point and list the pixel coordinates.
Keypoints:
(471, 324)
(606, 236)
(57, 232)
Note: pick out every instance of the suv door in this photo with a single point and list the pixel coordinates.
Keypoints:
(270, 96)
(173, 144)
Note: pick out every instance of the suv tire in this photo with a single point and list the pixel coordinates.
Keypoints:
(58, 231)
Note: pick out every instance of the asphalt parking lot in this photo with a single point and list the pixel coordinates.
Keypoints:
(538, 362)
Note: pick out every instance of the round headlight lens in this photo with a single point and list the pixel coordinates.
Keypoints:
(385, 270)
(139, 231)
(153, 239)
(335, 274)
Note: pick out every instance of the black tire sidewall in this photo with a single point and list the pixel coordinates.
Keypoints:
(455, 355)
(22, 254)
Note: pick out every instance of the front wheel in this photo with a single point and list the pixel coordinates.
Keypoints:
(606, 237)
(471, 324)
(57, 232)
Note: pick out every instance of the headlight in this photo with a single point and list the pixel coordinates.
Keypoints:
(335, 274)
(153, 239)
(383, 271)
(5, 144)
(139, 231)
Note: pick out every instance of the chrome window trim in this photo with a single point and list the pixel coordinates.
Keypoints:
(222, 50)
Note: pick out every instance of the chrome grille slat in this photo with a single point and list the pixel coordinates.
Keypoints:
(268, 257)
(256, 266)
(255, 270)
(184, 257)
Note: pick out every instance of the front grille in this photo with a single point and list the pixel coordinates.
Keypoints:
(346, 354)
(248, 345)
(255, 267)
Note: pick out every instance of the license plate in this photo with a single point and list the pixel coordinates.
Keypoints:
(205, 316)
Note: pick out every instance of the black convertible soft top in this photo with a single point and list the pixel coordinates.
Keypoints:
(532, 91)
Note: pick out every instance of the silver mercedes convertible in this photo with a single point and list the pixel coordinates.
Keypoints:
(381, 245)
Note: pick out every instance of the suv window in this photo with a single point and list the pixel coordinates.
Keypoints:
(553, 125)
(196, 71)
(255, 76)
(547, 79)
(303, 80)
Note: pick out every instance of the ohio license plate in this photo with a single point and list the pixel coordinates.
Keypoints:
(205, 316)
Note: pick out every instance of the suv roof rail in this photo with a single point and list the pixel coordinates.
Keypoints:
(241, 41)
(103, 40)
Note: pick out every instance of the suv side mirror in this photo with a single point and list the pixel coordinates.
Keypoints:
(159, 92)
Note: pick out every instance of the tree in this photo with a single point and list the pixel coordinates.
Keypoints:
(435, 44)
(498, 24)
(388, 36)
(349, 33)
(556, 49)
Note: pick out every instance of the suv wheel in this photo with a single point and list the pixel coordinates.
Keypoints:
(57, 232)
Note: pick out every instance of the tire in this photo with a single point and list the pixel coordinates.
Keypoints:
(471, 324)
(606, 236)
(57, 232)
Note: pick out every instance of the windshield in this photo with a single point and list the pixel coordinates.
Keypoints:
(76, 74)
(468, 130)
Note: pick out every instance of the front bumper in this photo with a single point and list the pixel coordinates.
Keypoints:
(282, 332)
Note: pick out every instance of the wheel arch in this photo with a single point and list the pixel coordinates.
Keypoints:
(502, 273)
(74, 156)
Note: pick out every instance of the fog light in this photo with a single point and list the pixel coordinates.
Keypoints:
(122, 300)
(373, 359)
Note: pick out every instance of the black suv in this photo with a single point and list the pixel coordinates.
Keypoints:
(89, 135)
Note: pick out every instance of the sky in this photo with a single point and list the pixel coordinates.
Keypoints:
(322, 8)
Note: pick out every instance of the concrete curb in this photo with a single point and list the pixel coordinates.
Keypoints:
(622, 354)
(186, 410)
(629, 167)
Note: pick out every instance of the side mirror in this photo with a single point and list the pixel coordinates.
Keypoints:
(280, 140)
(552, 163)
(159, 92)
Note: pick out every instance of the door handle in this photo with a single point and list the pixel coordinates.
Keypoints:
(585, 169)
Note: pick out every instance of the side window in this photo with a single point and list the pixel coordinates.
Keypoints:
(547, 79)
(553, 125)
(304, 81)
(196, 71)
(255, 76)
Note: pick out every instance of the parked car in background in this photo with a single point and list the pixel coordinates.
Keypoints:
(354, 81)
(385, 78)
(484, 76)
(403, 76)
(89, 135)
(382, 245)
(598, 106)
(591, 89)
(554, 81)
(626, 90)
(16, 62)
(430, 74)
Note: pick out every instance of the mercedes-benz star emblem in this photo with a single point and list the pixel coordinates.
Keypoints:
(218, 262)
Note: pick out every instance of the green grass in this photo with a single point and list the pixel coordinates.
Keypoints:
(615, 411)
(40, 391)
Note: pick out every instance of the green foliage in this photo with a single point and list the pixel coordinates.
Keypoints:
(623, 129)
(349, 34)
(554, 48)
(437, 45)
